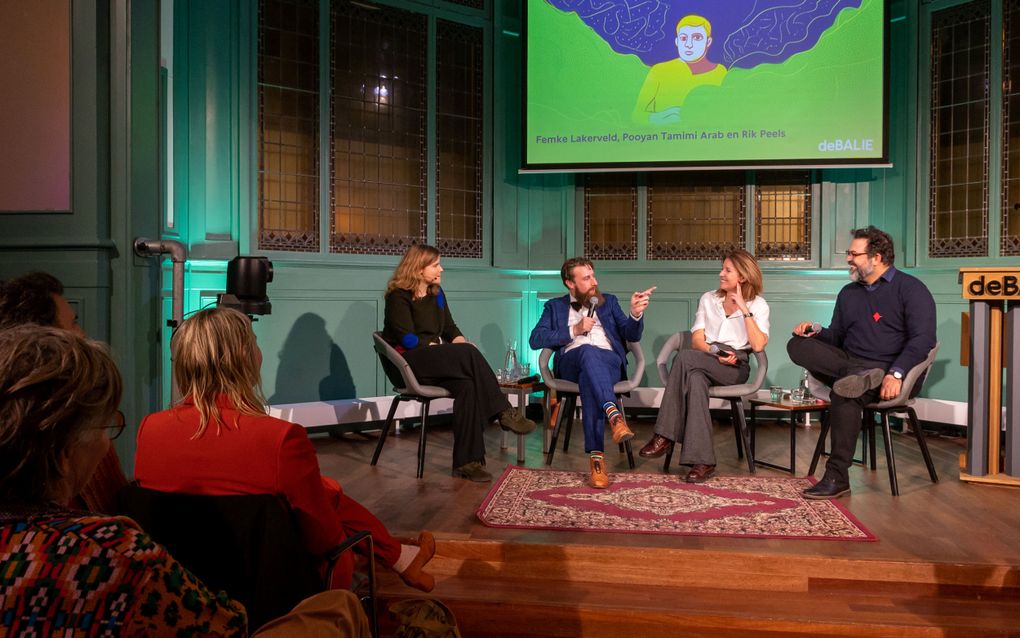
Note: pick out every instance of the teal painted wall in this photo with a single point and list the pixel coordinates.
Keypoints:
(317, 341)
(115, 198)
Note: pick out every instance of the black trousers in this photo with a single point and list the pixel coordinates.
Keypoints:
(477, 399)
(828, 363)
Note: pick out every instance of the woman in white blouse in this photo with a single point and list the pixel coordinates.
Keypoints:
(734, 319)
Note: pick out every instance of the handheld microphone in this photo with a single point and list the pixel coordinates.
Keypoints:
(717, 351)
(813, 328)
(592, 302)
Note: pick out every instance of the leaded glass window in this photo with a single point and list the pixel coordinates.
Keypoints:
(695, 216)
(958, 163)
(782, 209)
(459, 128)
(610, 217)
(1010, 229)
(288, 126)
(377, 120)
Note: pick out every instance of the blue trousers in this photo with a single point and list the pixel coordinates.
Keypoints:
(595, 371)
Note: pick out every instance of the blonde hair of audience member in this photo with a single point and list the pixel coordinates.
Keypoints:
(408, 273)
(58, 394)
(214, 352)
(747, 269)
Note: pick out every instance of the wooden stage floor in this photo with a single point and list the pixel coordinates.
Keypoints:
(947, 562)
(948, 521)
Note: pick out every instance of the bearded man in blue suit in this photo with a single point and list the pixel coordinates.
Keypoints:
(591, 352)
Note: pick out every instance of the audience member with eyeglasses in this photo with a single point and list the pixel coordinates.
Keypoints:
(882, 326)
(38, 298)
(731, 320)
(64, 571)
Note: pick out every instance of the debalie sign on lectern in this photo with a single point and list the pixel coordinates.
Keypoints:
(993, 451)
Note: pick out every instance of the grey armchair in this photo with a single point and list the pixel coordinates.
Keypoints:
(735, 394)
(568, 393)
(408, 389)
(903, 403)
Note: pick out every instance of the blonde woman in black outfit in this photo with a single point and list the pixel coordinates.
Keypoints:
(419, 325)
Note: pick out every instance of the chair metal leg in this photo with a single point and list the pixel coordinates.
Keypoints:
(871, 439)
(890, 456)
(736, 433)
(630, 454)
(921, 443)
(669, 457)
(386, 429)
(566, 411)
(569, 424)
(740, 424)
(820, 446)
(421, 437)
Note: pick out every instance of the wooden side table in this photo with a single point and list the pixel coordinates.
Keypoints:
(794, 408)
(523, 391)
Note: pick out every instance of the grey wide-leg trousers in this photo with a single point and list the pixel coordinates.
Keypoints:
(684, 416)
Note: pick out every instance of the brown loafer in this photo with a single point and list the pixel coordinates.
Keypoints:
(700, 473)
(620, 430)
(415, 574)
(656, 447)
(599, 478)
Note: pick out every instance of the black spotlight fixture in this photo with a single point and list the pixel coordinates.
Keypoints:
(246, 285)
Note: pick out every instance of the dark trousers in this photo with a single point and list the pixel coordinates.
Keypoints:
(595, 371)
(684, 415)
(828, 363)
(477, 399)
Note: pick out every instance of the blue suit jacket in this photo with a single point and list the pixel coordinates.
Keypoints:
(552, 331)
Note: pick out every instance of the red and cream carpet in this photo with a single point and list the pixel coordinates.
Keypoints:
(751, 506)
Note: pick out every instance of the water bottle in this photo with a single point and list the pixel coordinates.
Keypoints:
(510, 363)
(805, 391)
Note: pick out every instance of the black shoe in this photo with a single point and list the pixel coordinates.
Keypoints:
(827, 488)
(854, 385)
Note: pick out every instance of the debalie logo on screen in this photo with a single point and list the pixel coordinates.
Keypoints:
(849, 144)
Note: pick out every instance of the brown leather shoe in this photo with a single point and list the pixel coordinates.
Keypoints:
(700, 473)
(513, 421)
(599, 478)
(473, 471)
(656, 447)
(415, 574)
(620, 430)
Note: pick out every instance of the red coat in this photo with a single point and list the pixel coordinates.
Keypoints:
(260, 455)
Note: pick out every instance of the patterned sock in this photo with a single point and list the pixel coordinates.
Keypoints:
(596, 455)
(611, 411)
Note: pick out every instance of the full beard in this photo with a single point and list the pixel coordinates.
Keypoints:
(585, 297)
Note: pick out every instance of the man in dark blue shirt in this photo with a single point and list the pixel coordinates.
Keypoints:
(882, 326)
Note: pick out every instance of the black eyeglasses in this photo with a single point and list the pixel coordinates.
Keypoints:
(851, 253)
(116, 427)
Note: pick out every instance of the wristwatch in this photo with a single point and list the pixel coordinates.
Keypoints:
(897, 375)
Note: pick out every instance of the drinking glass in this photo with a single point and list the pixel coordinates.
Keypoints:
(776, 393)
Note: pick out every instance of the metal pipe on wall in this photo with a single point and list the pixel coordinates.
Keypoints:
(178, 256)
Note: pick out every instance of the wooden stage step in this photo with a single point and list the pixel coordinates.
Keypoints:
(516, 589)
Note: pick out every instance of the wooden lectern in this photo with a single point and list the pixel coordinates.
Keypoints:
(994, 295)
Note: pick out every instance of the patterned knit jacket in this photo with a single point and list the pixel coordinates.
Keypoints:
(72, 573)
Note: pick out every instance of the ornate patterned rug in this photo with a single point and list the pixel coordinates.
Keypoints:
(748, 506)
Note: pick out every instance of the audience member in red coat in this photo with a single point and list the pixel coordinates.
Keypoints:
(219, 441)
